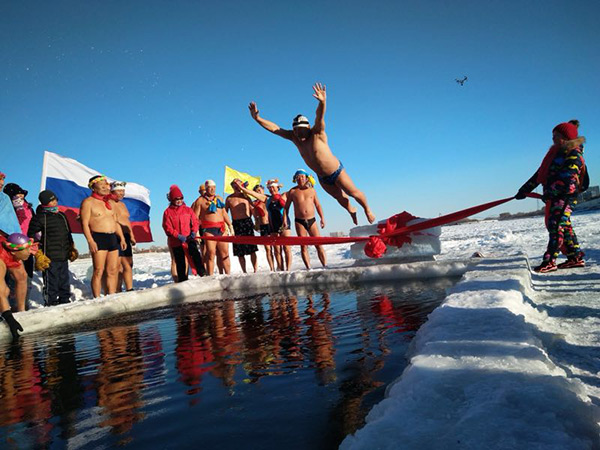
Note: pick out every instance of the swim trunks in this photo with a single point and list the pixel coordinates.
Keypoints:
(128, 252)
(331, 179)
(265, 230)
(306, 223)
(214, 228)
(106, 241)
(243, 227)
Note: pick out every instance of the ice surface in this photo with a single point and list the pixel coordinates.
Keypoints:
(485, 373)
(510, 360)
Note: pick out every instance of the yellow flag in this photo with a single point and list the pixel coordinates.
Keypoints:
(232, 174)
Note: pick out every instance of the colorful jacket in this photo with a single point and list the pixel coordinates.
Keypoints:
(563, 179)
(179, 220)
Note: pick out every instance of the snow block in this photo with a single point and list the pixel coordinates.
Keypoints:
(424, 246)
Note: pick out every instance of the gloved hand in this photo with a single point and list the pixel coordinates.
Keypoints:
(278, 198)
(191, 237)
(12, 323)
(73, 254)
(42, 262)
(521, 195)
(181, 237)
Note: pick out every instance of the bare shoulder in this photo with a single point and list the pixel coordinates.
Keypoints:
(87, 202)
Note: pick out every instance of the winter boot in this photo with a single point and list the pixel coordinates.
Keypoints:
(572, 263)
(545, 267)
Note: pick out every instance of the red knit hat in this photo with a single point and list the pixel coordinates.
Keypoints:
(174, 192)
(568, 129)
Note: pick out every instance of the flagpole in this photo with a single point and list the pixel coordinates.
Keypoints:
(44, 170)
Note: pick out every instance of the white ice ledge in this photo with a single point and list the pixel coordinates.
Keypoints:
(216, 287)
(480, 376)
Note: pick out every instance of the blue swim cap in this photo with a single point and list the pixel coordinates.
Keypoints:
(299, 172)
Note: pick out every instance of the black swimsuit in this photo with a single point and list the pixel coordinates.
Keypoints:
(306, 223)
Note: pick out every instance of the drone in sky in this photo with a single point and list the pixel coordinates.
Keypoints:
(461, 81)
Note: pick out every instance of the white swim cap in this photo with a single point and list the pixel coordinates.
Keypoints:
(300, 122)
(118, 185)
(210, 183)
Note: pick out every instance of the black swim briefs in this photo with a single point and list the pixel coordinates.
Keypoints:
(106, 241)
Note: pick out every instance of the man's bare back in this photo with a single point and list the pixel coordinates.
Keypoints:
(314, 148)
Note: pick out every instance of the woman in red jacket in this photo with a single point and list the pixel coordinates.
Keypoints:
(181, 226)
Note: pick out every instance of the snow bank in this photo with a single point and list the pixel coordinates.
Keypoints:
(480, 376)
(216, 287)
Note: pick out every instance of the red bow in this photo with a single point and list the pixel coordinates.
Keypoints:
(376, 246)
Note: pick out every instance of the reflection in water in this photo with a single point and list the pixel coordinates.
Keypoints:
(120, 378)
(311, 363)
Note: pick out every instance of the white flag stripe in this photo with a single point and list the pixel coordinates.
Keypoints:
(63, 168)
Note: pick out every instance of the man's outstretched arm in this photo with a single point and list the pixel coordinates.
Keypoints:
(267, 124)
(321, 95)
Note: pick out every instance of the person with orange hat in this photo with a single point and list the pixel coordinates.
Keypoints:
(181, 226)
(562, 176)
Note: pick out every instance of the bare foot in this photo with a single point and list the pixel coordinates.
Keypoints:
(354, 218)
(370, 215)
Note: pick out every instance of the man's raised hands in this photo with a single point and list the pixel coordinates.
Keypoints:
(253, 110)
(320, 93)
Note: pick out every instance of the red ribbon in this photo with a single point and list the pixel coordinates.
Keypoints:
(104, 198)
(397, 235)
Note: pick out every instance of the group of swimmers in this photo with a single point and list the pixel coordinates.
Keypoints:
(250, 209)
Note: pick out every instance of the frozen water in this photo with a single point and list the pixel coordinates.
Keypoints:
(510, 360)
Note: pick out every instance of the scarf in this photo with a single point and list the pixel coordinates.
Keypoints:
(214, 204)
(104, 198)
(50, 209)
(546, 163)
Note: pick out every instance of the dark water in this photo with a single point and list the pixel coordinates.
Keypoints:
(294, 370)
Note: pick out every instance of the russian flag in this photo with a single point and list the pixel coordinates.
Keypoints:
(68, 179)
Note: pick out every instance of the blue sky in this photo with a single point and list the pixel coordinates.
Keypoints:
(156, 92)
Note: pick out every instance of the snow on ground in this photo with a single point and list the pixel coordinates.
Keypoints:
(510, 360)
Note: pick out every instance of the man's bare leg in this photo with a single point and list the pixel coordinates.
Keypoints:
(209, 255)
(242, 260)
(336, 192)
(19, 274)
(99, 263)
(126, 272)
(287, 250)
(300, 231)
(269, 257)
(314, 231)
(347, 185)
(223, 251)
(112, 271)
(254, 260)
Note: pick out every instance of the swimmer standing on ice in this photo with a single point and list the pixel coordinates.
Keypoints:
(313, 146)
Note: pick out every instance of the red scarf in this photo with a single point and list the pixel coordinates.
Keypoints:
(104, 198)
(546, 163)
